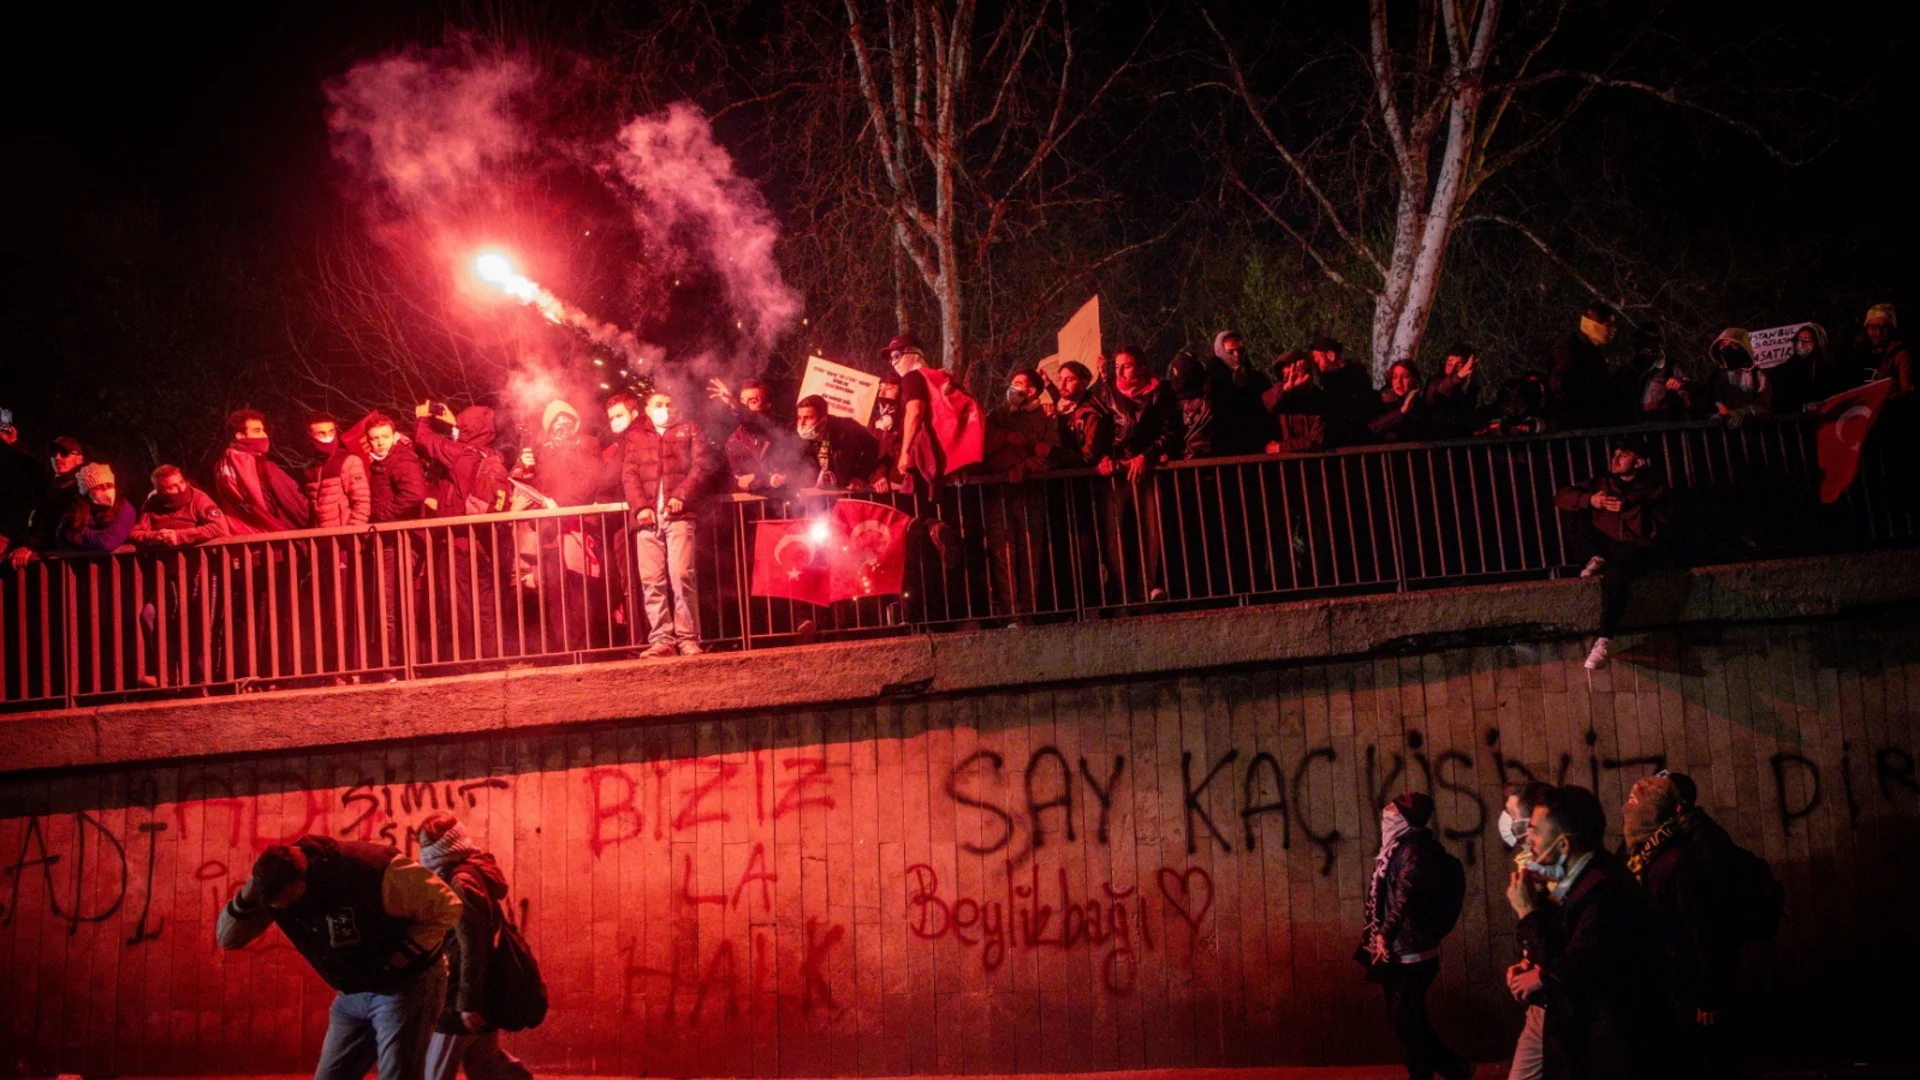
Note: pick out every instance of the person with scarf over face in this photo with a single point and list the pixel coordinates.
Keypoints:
(256, 495)
(1237, 392)
(1147, 430)
(1401, 946)
(1680, 898)
(337, 483)
(1809, 376)
(1741, 390)
(463, 1038)
(761, 455)
(1592, 961)
(1577, 381)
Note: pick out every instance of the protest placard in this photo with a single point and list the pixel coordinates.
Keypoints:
(849, 392)
(1078, 340)
(1774, 345)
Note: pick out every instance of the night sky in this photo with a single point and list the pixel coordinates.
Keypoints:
(169, 180)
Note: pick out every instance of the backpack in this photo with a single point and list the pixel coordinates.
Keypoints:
(491, 486)
(1756, 900)
(516, 996)
(1449, 889)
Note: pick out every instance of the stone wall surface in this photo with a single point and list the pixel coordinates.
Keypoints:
(1157, 860)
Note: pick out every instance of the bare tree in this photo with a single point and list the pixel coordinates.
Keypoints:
(1457, 97)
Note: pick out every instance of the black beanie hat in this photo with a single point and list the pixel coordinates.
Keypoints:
(1416, 807)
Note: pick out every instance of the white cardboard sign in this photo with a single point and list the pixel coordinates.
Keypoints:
(849, 392)
(1774, 345)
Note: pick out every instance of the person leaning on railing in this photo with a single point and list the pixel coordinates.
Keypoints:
(176, 514)
(101, 521)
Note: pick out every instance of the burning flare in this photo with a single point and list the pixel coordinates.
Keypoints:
(497, 269)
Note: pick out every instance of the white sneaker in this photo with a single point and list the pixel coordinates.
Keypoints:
(1598, 657)
(1594, 566)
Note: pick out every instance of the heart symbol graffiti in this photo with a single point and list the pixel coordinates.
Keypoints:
(1191, 900)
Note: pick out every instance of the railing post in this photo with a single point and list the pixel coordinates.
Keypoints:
(69, 616)
(403, 599)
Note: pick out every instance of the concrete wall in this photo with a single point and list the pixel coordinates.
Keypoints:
(1140, 869)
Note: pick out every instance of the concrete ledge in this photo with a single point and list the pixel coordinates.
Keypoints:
(532, 698)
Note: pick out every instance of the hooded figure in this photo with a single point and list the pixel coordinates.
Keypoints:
(566, 465)
(1807, 376)
(1198, 427)
(477, 481)
(1236, 390)
(1741, 390)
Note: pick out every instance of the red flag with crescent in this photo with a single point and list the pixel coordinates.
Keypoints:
(868, 555)
(789, 559)
(1845, 420)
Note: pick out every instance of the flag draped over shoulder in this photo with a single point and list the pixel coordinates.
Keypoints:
(1845, 419)
(855, 550)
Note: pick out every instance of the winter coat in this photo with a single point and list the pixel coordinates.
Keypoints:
(102, 528)
(1086, 433)
(1601, 977)
(1799, 381)
(258, 496)
(463, 459)
(1237, 400)
(1452, 407)
(199, 521)
(1893, 361)
(1577, 384)
(1680, 898)
(844, 449)
(1392, 422)
(338, 492)
(1642, 512)
(678, 463)
(1298, 424)
(1650, 400)
(1409, 893)
(482, 888)
(1146, 422)
(1016, 437)
(398, 484)
(568, 470)
(759, 448)
(1346, 400)
(57, 497)
(1741, 391)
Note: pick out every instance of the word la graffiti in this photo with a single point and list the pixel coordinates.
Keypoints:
(1025, 917)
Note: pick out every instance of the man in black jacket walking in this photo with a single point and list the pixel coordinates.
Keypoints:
(1409, 912)
(1592, 954)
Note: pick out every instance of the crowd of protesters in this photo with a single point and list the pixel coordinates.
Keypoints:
(1627, 960)
(662, 455)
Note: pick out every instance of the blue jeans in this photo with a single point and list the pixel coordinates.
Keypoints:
(480, 1054)
(390, 1029)
(666, 559)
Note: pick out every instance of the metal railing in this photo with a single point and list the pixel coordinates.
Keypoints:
(449, 595)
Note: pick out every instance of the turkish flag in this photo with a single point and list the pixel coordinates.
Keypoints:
(868, 551)
(788, 560)
(1845, 420)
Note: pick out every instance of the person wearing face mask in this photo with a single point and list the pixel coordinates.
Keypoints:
(1021, 433)
(942, 429)
(565, 467)
(99, 521)
(468, 477)
(1021, 439)
(337, 492)
(1616, 519)
(255, 494)
(760, 453)
(1413, 902)
(1593, 963)
(1808, 376)
(669, 464)
(1741, 390)
(835, 452)
(1514, 827)
(1577, 381)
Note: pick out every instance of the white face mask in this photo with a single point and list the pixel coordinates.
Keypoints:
(1555, 870)
(1513, 830)
(619, 423)
(658, 416)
